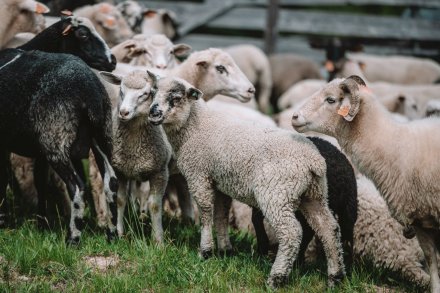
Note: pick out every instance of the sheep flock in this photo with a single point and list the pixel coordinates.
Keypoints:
(219, 138)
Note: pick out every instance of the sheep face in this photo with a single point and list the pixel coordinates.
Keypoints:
(159, 22)
(111, 25)
(136, 90)
(159, 51)
(172, 101)
(81, 39)
(132, 12)
(327, 110)
(216, 68)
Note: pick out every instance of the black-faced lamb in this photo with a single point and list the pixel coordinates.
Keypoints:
(397, 157)
(221, 157)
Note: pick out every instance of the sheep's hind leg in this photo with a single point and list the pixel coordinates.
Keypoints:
(289, 234)
(260, 232)
(110, 188)
(3, 184)
(427, 243)
(327, 230)
(75, 187)
(222, 206)
(41, 181)
(158, 184)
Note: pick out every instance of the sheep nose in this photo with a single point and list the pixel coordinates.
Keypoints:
(124, 113)
(161, 66)
(251, 90)
(155, 113)
(295, 116)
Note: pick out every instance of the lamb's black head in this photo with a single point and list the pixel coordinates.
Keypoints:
(80, 38)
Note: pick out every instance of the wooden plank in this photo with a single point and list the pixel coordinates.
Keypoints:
(245, 19)
(271, 32)
(192, 15)
(293, 3)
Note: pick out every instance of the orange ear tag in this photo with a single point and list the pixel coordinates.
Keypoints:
(105, 8)
(329, 65)
(110, 21)
(343, 111)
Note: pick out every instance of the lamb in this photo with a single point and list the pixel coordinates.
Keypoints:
(108, 22)
(398, 159)
(149, 21)
(93, 124)
(127, 50)
(20, 16)
(255, 65)
(287, 70)
(219, 156)
(141, 151)
(402, 104)
(296, 93)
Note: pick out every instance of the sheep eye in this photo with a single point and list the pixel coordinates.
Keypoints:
(221, 69)
(414, 107)
(330, 100)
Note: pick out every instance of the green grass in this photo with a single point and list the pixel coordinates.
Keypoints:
(32, 260)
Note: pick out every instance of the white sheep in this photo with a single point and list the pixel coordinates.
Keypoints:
(397, 69)
(296, 93)
(140, 150)
(255, 65)
(20, 16)
(397, 157)
(271, 169)
(108, 22)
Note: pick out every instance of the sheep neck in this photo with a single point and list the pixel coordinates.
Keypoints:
(7, 17)
(367, 140)
(49, 40)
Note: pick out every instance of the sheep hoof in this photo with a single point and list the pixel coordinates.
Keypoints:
(73, 242)
(336, 279)
(111, 236)
(409, 232)
(205, 254)
(277, 281)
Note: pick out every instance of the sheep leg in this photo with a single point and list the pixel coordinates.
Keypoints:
(3, 184)
(121, 203)
(427, 243)
(41, 181)
(75, 187)
(321, 220)
(141, 192)
(222, 205)
(184, 198)
(204, 196)
(260, 232)
(308, 234)
(289, 233)
(98, 195)
(110, 188)
(158, 184)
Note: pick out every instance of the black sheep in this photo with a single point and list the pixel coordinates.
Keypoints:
(54, 109)
(342, 196)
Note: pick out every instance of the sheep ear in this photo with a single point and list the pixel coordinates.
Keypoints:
(34, 6)
(109, 22)
(153, 76)
(149, 13)
(350, 104)
(194, 93)
(203, 64)
(111, 78)
(181, 50)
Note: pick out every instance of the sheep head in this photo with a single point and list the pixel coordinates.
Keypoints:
(328, 109)
(172, 101)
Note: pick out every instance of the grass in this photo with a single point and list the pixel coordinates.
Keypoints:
(34, 260)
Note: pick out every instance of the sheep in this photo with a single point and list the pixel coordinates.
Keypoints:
(402, 104)
(127, 50)
(342, 199)
(20, 16)
(108, 22)
(141, 151)
(299, 91)
(397, 69)
(149, 21)
(240, 163)
(287, 70)
(159, 52)
(255, 65)
(397, 159)
(433, 108)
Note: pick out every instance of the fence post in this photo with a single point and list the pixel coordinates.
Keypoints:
(271, 32)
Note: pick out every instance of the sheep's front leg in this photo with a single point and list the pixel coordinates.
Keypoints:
(427, 243)
(204, 195)
(288, 231)
(158, 184)
(98, 195)
(222, 206)
(121, 203)
(327, 230)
